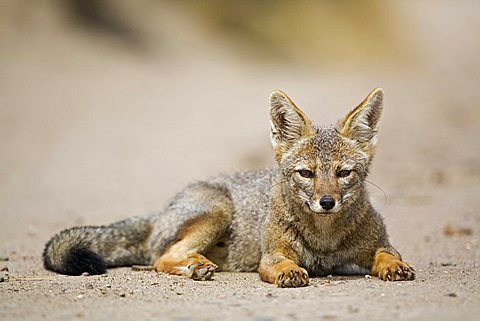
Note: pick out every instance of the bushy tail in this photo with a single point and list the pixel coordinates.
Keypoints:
(94, 248)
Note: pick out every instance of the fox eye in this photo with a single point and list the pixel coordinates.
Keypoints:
(344, 173)
(306, 173)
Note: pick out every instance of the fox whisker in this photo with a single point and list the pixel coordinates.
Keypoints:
(384, 194)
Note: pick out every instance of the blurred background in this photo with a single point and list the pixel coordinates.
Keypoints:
(107, 108)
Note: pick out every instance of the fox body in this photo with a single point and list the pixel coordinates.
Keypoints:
(311, 215)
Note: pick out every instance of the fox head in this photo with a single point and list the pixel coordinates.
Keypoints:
(324, 168)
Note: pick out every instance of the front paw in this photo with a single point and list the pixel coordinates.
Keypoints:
(396, 270)
(290, 275)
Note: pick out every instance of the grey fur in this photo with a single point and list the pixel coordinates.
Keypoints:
(119, 244)
(141, 240)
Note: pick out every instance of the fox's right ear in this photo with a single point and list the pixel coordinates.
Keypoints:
(288, 123)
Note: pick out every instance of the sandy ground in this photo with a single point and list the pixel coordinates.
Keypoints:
(91, 134)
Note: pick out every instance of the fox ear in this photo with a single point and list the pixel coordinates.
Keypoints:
(361, 124)
(288, 123)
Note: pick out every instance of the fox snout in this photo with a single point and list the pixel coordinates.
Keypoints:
(326, 194)
(327, 204)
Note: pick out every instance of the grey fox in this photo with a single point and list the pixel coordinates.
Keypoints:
(311, 215)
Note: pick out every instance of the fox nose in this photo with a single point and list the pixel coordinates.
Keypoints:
(327, 202)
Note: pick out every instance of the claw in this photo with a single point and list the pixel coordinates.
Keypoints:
(203, 270)
(204, 273)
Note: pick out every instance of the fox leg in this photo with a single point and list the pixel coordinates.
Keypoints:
(184, 256)
(389, 266)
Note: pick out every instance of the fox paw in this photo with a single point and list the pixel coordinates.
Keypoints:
(195, 266)
(291, 276)
(200, 268)
(396, 270)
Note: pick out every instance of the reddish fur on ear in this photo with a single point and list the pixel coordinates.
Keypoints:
(361, 124)
(288, 123)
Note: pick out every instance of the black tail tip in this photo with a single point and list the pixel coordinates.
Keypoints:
(80, 260)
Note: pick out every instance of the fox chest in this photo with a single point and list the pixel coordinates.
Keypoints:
(321, 263)
(325, 265)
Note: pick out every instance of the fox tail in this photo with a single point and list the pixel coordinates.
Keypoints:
(92, 249)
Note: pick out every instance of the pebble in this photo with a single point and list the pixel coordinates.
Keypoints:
(4, 275)
(352, 309)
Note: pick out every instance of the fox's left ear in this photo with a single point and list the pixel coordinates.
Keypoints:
(361, 124)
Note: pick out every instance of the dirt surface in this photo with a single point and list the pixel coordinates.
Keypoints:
(91, 134)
